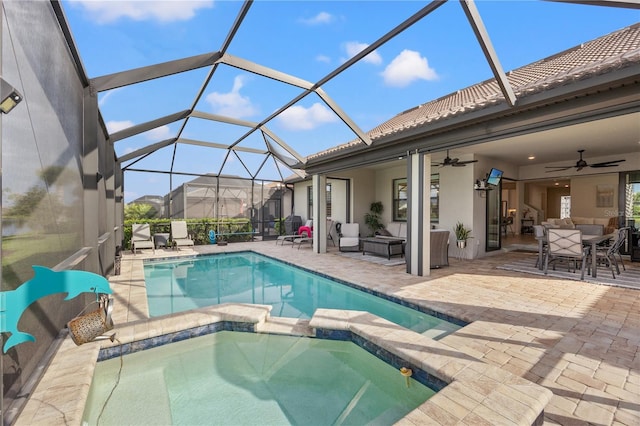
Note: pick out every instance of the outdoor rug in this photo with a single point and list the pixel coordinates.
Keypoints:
(394, 261)
(627, 279)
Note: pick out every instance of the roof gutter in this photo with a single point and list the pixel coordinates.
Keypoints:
(585, 100)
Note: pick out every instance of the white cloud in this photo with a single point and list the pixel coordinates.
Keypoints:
(323, 58)
(232, 104)
(159, 133)
(407, 67)
(301, 118)
(140, 10)
(116, 126)
(353, 48)
(319, 19)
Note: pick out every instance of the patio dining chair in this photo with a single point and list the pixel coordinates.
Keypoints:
(606, 255)
(566, 245)
(540, 232)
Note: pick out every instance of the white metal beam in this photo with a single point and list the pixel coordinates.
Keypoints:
(150, 72)
(221, 146)
(477, 25)
(149, 125)
(146, 150)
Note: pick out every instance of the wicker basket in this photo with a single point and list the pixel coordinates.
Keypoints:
(85, 328)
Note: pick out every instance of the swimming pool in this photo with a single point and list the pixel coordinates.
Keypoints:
(178, 285)
(245, 378)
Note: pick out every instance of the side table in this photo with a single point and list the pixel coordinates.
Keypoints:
(161, 240)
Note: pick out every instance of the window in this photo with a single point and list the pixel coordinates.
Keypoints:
(310, 200)
(632, 199)
(400, 200)
(435, 198)
(565, 206)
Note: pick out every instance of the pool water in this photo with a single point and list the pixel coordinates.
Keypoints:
(247, 277)
(246, 379)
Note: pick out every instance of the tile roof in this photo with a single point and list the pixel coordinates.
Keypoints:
(611, 52)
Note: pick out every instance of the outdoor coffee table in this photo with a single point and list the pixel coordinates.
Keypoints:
(383, 246)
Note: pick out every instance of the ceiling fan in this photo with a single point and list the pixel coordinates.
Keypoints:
(581, 164)
(454, 162)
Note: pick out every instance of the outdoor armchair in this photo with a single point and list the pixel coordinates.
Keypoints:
(349, 237)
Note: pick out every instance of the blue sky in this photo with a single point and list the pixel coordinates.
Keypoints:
(306, 39)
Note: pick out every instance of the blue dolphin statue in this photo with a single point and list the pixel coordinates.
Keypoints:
(44, 283)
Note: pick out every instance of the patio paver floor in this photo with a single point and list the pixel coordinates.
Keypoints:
(577, 339)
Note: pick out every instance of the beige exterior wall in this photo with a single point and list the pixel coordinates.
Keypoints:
(584, 196)
(384, 189)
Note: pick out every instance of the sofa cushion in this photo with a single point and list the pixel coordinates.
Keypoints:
(566, 223)
(582, 220)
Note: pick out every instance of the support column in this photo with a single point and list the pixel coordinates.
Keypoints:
(319, 213)
(418, 250)
(90, 169)
(520, 205)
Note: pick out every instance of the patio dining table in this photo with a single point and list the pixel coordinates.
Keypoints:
(587, 239)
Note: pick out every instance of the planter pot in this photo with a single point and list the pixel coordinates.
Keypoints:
(461, 243)
(222, 243)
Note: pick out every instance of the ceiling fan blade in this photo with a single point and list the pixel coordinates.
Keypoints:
(607, 164)
(467, 162)
(458, 164)
(558, 169)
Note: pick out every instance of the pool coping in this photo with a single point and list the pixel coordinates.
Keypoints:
(475, 392)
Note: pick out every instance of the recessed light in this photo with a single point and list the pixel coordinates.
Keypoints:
(556, 184)
(531, 157)
(566, 186)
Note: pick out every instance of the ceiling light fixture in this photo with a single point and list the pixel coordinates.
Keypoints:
(531, 157)
(10, 97)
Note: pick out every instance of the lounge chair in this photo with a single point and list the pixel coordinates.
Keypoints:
(301, 231)
(141, 237)
(302, 239)
(179, 234)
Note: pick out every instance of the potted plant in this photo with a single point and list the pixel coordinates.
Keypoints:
(462, 234)
(372, 219)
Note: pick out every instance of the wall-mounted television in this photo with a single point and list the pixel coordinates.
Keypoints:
(494, 177)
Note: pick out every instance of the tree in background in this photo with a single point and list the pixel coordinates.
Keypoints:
(137, 211)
